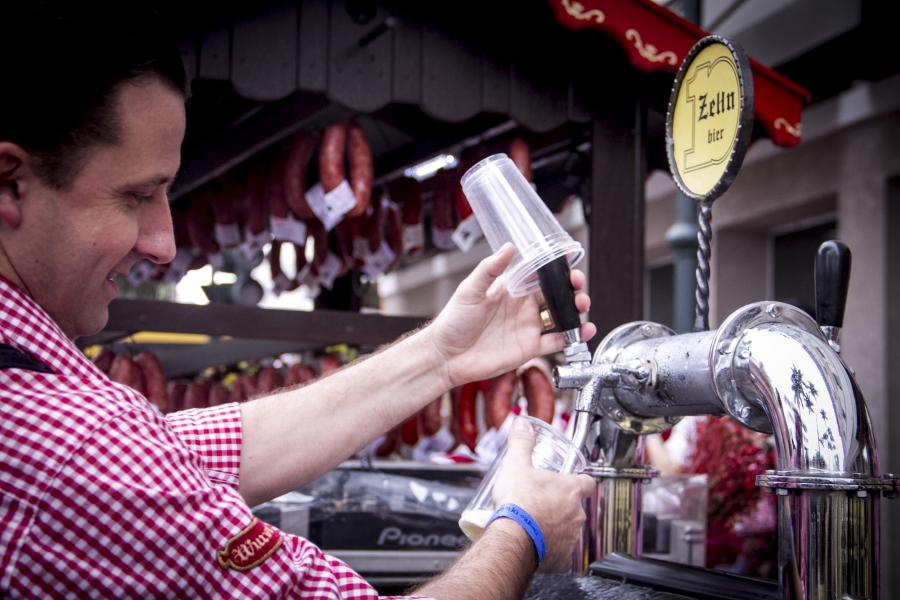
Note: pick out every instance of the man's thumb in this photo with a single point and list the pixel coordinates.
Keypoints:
(520, 442)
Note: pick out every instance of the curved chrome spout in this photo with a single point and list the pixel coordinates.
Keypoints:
(828, 518)
(820, 424)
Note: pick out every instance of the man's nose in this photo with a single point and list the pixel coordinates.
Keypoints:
(156, 240)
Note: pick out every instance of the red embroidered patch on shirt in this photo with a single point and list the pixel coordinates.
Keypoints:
(250, 547)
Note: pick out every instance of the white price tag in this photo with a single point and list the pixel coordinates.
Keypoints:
(442, 441)
(288, 230)
(141, 273)
(467, 233)
(216, 261)
(330, 207)
(280, 284)
(254, 243)
(329, 270)
(492, 440)
(361, 248)
(305, 276)
(378, 262)
(180, 265)
(413, 238)
(228, 236)
(442, 238)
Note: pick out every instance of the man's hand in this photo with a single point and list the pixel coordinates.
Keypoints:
(483, 331)
(552, 500)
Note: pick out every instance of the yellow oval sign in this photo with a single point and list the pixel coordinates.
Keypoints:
(708, 120)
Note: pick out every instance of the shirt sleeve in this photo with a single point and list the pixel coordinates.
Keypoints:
(214, 434)
(132, 514)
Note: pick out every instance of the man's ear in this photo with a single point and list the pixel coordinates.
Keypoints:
(16, 175)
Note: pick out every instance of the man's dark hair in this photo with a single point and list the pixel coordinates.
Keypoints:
(64, 60)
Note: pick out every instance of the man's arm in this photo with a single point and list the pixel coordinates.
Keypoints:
(293, 437)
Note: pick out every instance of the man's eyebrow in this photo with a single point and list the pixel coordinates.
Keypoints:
(151, 182)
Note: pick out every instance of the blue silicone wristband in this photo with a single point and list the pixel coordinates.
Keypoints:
(518, 514)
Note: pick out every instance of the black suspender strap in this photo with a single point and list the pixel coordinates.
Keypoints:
(13, 358)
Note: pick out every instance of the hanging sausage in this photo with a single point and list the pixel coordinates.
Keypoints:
(295, 183)
(407, 192)
(284, 224)
(269, 380)
(538, 391)
(154, 380)
(218, 395)
(104, 359)
(468, 231)
(498, 399)
(464, 398)
(177, 390)
(228, 233)
(520, 154)
(442, 211)
(299, 374)
(338, 197)
(200, 223)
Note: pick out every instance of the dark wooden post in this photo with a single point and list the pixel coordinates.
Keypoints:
(618, 167)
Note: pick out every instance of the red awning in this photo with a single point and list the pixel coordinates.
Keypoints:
(656, 39)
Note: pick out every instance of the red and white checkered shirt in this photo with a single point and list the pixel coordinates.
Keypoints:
(102, 498)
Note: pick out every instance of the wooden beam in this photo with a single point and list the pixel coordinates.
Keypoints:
(618, 167)
(322, 326)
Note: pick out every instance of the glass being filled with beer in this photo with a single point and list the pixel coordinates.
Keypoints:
(553, 451)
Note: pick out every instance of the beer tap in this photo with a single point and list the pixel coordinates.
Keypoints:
(832, 281)
(555, 282)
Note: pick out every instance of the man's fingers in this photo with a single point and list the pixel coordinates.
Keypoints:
(582, 302)
(588, 331)
(578, 279)
(491, 268)
(520, 442)
(588, 485)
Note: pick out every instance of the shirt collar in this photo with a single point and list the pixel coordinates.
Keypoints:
(24, 324)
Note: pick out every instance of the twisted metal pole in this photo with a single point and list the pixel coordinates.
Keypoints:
(704, 237)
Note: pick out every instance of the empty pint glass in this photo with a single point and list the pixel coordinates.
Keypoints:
(509, 210)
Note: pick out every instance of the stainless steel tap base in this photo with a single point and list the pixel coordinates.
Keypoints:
(613, 514)
(576, 351)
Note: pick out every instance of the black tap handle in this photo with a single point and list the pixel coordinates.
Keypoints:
(832, 281)
(559, 296)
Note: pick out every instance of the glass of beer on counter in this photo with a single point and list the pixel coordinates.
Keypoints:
(553, 451)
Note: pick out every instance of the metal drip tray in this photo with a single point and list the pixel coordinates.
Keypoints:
(689, 581)
(565, 587)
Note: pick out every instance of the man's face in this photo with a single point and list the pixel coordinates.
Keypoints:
(114, 214)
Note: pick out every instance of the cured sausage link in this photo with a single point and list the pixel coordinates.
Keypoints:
(295, 174)
(538, 391)
(154, 380)
(331, 156)
(498, 399)
(520, 154)
(362, 170)
(465, 414)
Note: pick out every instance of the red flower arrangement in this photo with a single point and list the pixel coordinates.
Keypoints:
(741, 520)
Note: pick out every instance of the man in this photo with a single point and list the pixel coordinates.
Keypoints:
(100, 496)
